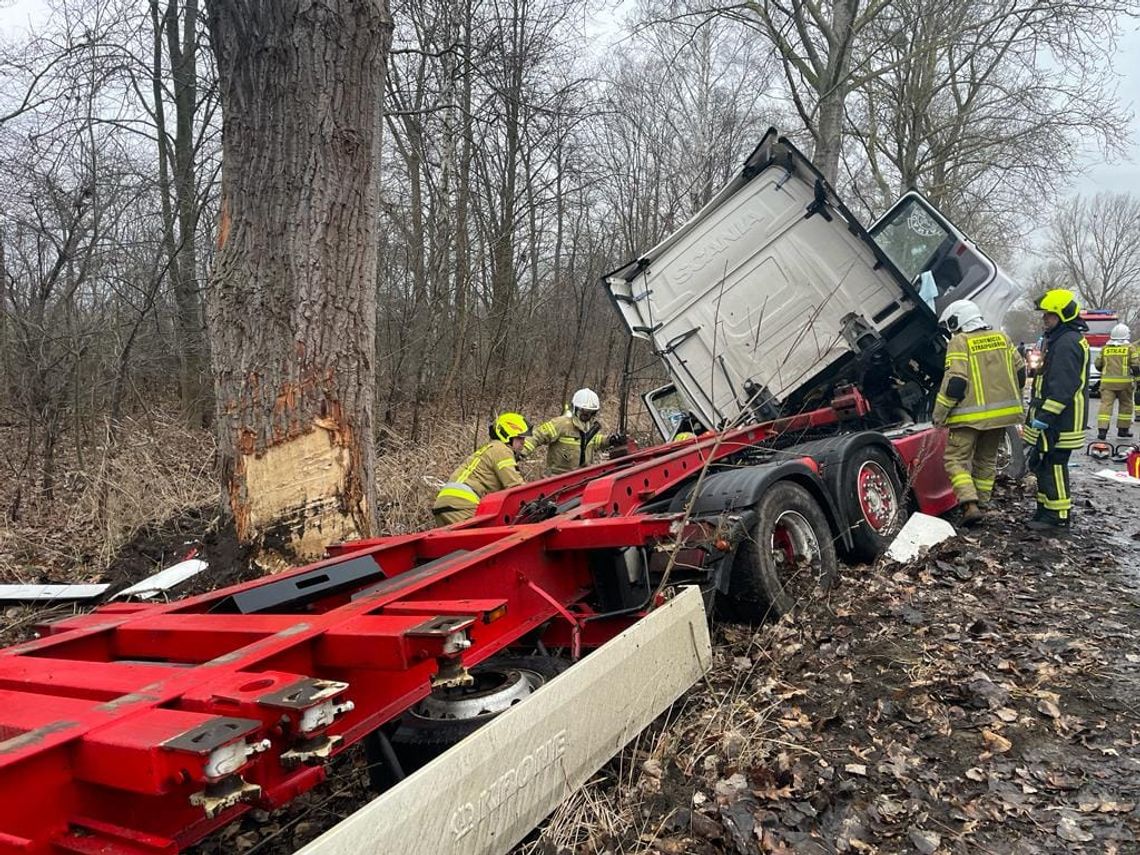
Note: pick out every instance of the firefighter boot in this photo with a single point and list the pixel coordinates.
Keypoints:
(1102, 433)
(971, 515)
(1124, 432)
(1049, 524)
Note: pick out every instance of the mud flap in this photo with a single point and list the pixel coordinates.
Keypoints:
(484, 795)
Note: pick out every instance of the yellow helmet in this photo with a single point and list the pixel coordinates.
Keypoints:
(1061, 303)
(508, 426)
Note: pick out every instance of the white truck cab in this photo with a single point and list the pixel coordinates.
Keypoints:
(773, 295)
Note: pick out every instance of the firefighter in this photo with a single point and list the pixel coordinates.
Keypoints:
(980, 397)
(1119, 364)
(1056, 413)
(1136, 398)
(573, 439)
(489, 468)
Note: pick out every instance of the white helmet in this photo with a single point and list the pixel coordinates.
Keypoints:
(1120, 332)
(962, 315)
(585, 404)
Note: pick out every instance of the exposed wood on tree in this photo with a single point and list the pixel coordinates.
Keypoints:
(292, 303)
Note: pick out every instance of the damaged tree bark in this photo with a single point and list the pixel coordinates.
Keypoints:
(291, 306)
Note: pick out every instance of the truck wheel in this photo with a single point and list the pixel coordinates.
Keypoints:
(790, 552)
(873, 501)
(448, 715)
(1011, 456)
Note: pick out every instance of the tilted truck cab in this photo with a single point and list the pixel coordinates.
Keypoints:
(773, 296)
(774, 300)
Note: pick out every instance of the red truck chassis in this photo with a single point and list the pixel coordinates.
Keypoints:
(141, 728)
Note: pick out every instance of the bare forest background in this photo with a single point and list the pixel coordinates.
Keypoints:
(519, 163)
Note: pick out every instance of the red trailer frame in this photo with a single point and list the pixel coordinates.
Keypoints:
(142, 728)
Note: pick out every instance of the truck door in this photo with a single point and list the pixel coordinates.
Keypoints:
(917, 238)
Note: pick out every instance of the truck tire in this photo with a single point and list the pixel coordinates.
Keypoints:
(1011, 456)
(873, 503)
(444, 718)
(791, 550)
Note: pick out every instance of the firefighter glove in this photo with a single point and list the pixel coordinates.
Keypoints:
(1032, 456)
(616, 439)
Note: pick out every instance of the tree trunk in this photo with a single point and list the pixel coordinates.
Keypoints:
(291, 306)
(184, 73)
(833, 89)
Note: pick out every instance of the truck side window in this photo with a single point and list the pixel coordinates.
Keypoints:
(914, 240)
(917, 240)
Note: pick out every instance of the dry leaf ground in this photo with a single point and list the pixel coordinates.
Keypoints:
(985, 698)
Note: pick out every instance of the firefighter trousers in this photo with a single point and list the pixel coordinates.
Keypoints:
(449, 516)
(971, 461)
(1123, 400)
(1053, 498)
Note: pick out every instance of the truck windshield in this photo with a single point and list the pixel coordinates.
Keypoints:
(911, 237)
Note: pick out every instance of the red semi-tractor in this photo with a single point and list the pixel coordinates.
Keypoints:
(798, 346)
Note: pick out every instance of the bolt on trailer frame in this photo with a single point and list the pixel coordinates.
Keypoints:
(142, 728)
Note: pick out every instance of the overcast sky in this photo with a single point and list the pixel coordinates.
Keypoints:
(1122, 175)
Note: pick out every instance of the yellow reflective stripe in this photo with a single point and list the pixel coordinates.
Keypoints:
(976, 378)
(957, 357)
(568, 440)
(960, 478)
(466, 494)
(944, 400)
(1054, 407)
(472, 464)
(503, 464)
(984, 484)
(978, 415)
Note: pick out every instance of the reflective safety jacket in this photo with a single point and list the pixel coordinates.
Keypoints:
(981, 387)
(1118, 364)
(1059, 389)
(569, 443)
(488, 469)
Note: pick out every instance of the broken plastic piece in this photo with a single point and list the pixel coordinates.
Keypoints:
(1118, 476)
(41, 593)
(920, 531)
(164, 580)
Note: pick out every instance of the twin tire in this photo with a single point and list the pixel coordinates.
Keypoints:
(792, 548)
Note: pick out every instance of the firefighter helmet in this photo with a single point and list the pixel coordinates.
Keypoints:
(585, 404)
(1061, 303)
(1120, 332)
(509, 425)
(962, 315)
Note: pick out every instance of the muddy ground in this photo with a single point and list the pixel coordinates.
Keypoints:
(985, 698)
